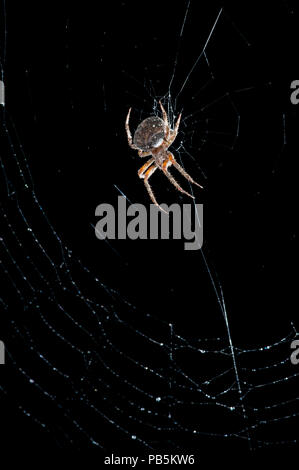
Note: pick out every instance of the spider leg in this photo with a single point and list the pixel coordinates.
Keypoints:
(145, 167)
(177, 124)
(166, 164)
(174, 133)
(183, 172)
(165, 119)
(129, 135)
(146, 176)
(142, 153)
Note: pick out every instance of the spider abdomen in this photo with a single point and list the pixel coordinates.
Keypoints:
(149, 134)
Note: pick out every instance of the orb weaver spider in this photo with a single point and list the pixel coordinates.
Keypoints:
(154, 136)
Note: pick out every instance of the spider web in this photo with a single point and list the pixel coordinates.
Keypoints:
(87, 365)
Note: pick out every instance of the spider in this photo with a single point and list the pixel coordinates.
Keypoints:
(152, 137)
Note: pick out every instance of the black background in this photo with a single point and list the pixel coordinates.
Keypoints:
(71, 73)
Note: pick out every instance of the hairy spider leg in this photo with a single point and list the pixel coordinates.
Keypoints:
(143, 153)
(182, 171)
(165, 165)
(129, 135)
(146, 176)
(166, 123)
(145, 167)
(174, 133)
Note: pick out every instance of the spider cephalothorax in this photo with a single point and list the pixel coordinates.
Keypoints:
(152, 137)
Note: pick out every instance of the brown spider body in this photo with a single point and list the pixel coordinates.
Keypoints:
(149, 134)
(153, 137)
